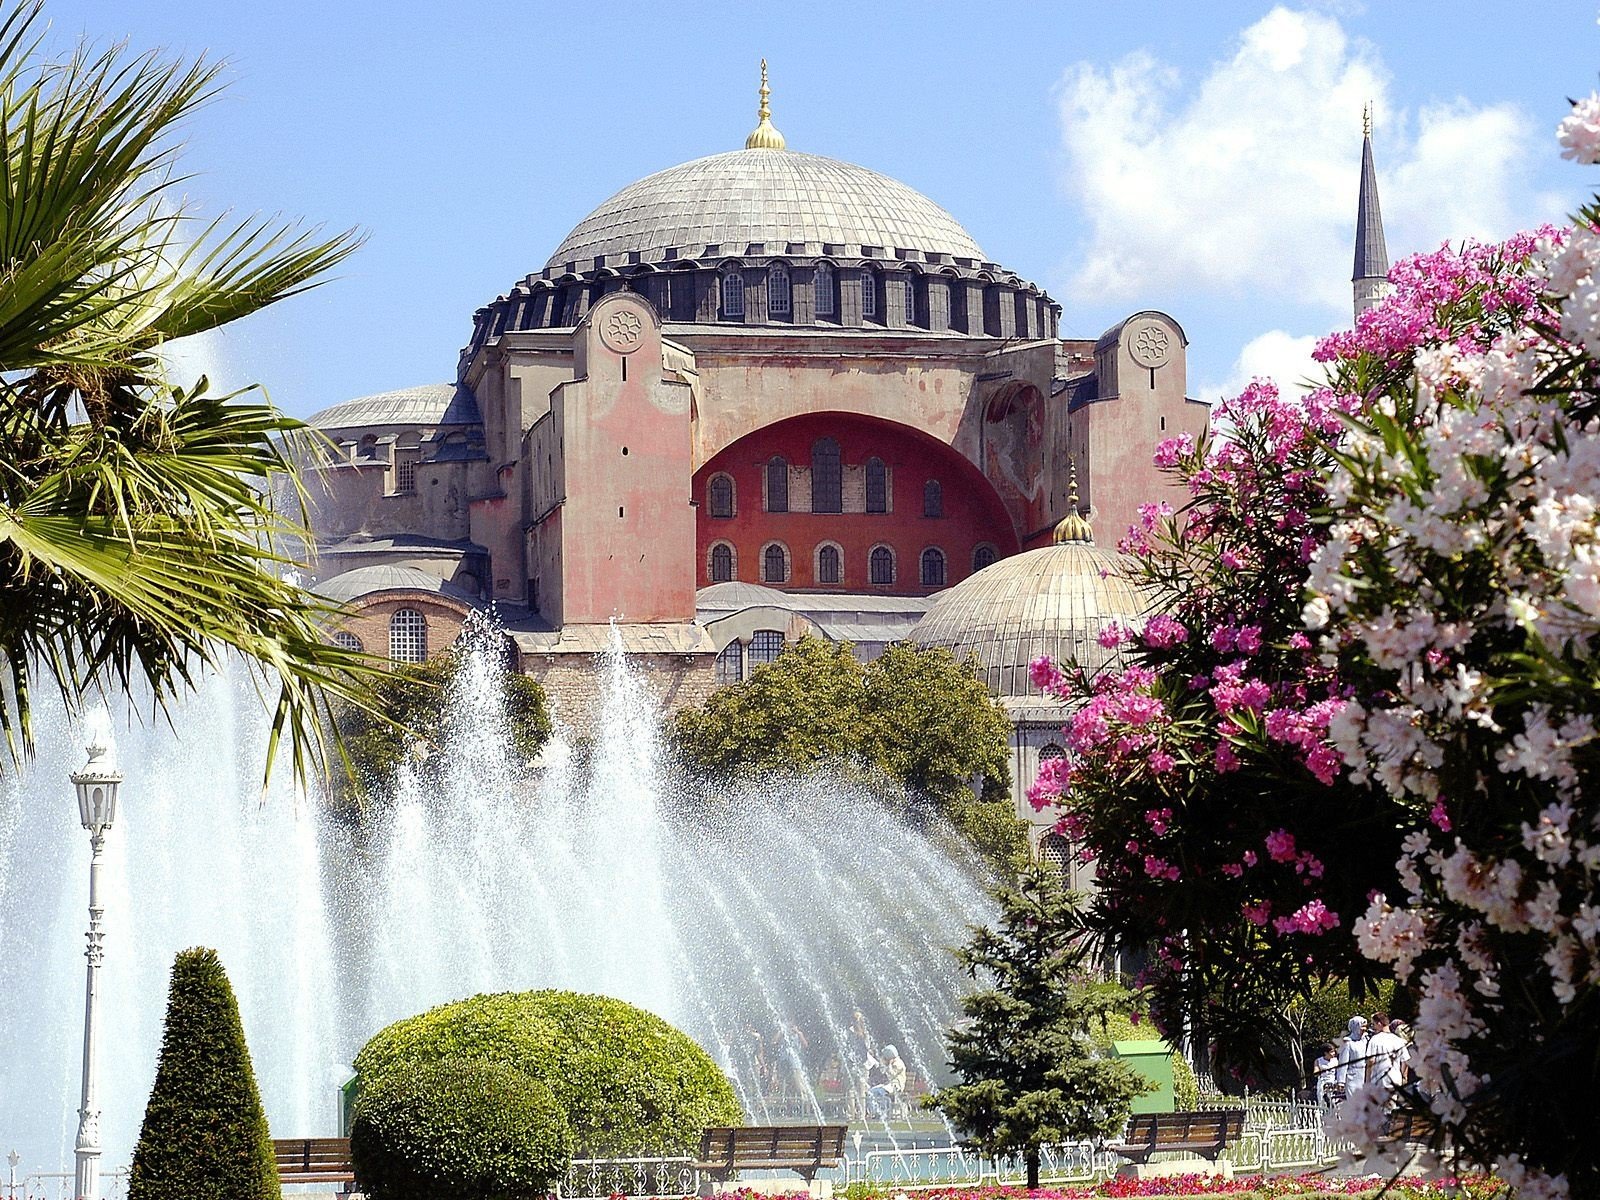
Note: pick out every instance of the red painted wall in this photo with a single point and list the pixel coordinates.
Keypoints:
(973, 512)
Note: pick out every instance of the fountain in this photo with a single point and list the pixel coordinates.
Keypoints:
(758, 919)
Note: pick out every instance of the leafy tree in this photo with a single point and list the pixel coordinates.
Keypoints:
(415, 707)
(204, 1135)
(1030, 1073)
(139, 539)
(918, 715)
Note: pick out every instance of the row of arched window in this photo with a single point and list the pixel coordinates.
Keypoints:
(827, 485)
(825, 285)
(737, 658)
(827, 560)
(408, 637)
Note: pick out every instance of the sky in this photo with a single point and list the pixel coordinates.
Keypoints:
(1200, 159)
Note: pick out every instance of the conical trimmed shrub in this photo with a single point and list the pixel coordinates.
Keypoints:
(204, 1135)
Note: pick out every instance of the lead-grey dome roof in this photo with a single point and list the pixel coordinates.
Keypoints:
(1054, 600)
(425, 405)
(386, 577)
(765, 197)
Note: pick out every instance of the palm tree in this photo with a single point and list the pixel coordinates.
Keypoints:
(140, 540)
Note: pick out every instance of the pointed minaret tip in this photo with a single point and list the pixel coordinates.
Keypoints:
(764, 136)
(1371, 270)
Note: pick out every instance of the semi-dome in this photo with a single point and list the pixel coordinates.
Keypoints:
(769, 198)
(1054, 601)
(425, 405)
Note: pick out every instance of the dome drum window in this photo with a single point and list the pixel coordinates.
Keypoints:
(778, 290)
(823, 285)
(732, 294)
(869, 293)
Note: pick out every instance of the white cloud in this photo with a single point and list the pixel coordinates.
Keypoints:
(1277, 355)
(1244, 183)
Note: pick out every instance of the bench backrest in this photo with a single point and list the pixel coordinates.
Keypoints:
(1219, 1126)
(308, 1156)
(751, 1145)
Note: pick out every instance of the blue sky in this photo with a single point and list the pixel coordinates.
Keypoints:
(1197, 158)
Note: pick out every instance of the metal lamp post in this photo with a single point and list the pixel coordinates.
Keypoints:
(96, 785)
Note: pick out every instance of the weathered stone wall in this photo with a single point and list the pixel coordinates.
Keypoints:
(370, 622)
(574, 682)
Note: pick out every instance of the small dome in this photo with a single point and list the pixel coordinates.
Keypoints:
(1054, 601)
(769, 197)
(426, 405)
(387, 577)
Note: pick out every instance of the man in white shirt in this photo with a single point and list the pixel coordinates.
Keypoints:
(1387, 1054)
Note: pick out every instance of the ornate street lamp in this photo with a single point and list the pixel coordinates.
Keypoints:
(96, 785)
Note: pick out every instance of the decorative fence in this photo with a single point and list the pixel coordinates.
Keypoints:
(60, 1185)
(1278, 1136)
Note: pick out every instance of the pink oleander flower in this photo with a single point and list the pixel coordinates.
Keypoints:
(1045, 674)
(1280, 845)
(1162, 631)
(1160, 868)
(1439, 817)
(1162, 763)
(1159, 820)
(1169, 452)
(1224, 759)
(1312, 917)
(1258, 913)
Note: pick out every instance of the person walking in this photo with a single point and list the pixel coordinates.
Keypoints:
(1352, 1075)
(1387, 1055)
(1325, 1076)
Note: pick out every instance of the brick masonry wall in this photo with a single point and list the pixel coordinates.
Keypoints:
(370, 622)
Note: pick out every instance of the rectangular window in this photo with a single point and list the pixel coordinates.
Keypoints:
(405, 474)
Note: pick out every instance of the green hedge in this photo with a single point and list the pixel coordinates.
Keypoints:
(458, 1129)
(628, 1082)
(204, 1135)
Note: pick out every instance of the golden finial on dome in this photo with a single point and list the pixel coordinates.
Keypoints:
(1366, 119)
(764, 136)
(1074, 527)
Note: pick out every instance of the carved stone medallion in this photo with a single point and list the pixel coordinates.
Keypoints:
(622, 330)
(1150, 344)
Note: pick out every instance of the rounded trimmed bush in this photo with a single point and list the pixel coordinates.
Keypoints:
(458, 1129)
(628, 1081)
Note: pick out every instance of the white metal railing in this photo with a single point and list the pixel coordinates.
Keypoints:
(599, 1178)
(943, 1166)
(60, 1185)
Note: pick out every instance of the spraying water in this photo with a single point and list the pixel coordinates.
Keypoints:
(759, 920)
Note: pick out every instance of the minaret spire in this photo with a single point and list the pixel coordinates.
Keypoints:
(764, 136)
(1372, 254)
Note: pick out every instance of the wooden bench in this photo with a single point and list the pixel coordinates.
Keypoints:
(806, 1149)
(1204, 1133)
(314, 1160)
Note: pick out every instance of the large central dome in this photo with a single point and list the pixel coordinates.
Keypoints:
(769, 198)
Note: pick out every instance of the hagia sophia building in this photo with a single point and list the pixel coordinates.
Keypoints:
(756, 396)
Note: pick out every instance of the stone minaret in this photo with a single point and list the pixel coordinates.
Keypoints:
(1372, 256)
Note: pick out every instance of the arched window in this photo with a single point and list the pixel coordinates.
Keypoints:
(730, 663)
(1055, 851)
(933, 568)
(911, 299)
(777, 484)
(1050, 750)
(722, 563)
(408, 636)
(765, 646)
(877, 486)
(881, 565)
(869, 292)
(827, 483)
(823, 284)
(829, 568)
(778, 289)
(983, 556)
(932, 499)
(774, 564)
(719, 496)
(732, 294)
(369, 446)
(346, 640)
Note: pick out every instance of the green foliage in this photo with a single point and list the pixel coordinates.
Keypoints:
(1029, 1069)
(459, 1129)
(414, 703)
(204, 1135)
(628, 1082)
(140, 539)
(918, 715)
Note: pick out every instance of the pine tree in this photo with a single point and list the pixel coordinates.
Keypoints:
(204, 1135)
(1030, 1076)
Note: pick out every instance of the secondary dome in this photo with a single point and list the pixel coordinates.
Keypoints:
(1054, 601)
(764, 197)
